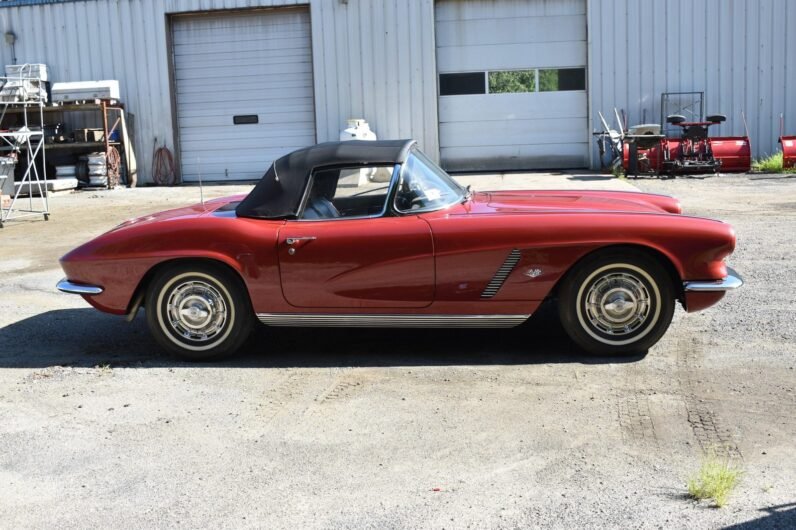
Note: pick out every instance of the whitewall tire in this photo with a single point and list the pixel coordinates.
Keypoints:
(198, 311)
(617, 302)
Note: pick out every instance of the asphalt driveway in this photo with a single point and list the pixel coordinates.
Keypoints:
(397, 428)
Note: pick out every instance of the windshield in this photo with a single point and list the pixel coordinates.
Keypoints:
(424, 186)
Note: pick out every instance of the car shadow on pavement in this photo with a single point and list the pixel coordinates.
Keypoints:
(85, 337)
(591, 178)
(781, 516)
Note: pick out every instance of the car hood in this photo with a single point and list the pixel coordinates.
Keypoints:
(522, 201)
(194, 210)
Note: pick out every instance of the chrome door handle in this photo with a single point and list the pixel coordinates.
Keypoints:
(294, 240)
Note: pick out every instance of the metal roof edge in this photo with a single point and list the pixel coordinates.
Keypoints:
(25, 3)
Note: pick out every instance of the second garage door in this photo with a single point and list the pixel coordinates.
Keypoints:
(512, 84)
(243, 91)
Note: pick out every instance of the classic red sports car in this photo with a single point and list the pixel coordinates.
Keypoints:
(375, 234)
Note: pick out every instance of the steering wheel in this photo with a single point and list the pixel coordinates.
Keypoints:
(417, 202)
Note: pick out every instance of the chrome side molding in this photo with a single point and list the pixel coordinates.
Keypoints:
(391, 321)
(66, 286)
(732, 281)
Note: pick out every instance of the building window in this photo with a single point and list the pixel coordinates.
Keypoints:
(513, 81)
(510, 81)
(561, 79)
(460, 84)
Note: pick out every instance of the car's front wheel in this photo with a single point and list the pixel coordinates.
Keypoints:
(617, 302)
(198, 311)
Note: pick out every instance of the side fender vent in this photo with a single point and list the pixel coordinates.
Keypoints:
(502, 273)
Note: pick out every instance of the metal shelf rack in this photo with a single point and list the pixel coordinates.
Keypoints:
(118, 172)
(32, 142)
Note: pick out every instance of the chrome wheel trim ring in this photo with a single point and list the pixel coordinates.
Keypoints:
(624, 299)
(198, 313)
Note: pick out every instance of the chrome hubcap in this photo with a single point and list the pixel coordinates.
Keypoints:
(196, 311)
(617, 304)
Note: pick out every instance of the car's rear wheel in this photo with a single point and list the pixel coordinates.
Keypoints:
(198, 311)
(617, 303)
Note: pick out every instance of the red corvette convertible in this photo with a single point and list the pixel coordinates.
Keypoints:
(375, 234)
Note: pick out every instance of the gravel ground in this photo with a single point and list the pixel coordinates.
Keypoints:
(396, 429)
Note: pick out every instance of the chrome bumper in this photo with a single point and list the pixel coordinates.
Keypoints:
(732, 281)
(76, 288)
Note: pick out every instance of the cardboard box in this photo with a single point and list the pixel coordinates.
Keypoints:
(89, 135)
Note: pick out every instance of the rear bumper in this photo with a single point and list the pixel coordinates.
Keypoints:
(732, 281)
(66, 286)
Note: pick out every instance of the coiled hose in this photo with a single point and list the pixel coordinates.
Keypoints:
(163, 166)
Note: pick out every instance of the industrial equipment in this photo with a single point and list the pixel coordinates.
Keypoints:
(682, 146)
(693, 152)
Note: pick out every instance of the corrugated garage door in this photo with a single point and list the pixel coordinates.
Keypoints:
(512, 84)
(243, 89)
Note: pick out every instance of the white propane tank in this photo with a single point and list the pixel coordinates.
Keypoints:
(358, 129)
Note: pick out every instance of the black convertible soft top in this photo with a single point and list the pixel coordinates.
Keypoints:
(279, 192)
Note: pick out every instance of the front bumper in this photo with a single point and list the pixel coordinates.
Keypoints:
(78, 288)
(732, 281)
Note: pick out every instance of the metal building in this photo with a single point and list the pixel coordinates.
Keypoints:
(481, 84)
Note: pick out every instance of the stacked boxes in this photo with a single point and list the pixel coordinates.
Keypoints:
(97, 169)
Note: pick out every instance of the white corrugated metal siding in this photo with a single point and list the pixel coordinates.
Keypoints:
(371, 59)
(522, 129)
(375, 59)
(256, 65)
(741, 53)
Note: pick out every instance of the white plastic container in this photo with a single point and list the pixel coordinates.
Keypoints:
(62, 172)
(17, 91)
(85, 90)
(34, 71)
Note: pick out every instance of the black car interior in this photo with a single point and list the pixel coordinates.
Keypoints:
(324, 204)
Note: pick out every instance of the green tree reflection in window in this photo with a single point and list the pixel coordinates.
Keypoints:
(511, 81)
(559, 79)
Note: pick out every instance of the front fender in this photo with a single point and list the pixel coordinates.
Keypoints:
(119, 260)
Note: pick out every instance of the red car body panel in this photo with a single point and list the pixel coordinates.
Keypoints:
(432, 263)
(359, 263)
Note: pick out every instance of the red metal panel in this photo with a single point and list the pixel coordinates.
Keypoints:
(735, 153)
(788, 151)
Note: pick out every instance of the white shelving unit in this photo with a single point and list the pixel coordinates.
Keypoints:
(30, 141)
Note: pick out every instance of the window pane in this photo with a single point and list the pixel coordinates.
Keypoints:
(348, 192)
(512, 81)
(424, 186)
(552, 80)
(458, 84)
